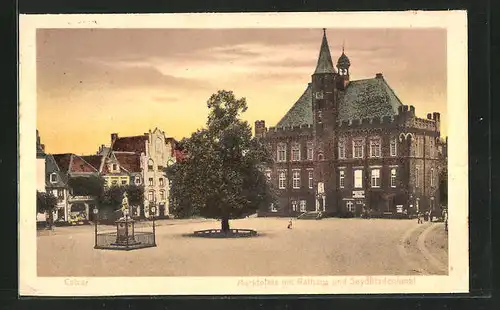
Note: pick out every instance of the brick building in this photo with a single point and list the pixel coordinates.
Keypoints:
(346, 147)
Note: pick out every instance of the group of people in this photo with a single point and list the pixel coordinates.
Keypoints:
(427, 216)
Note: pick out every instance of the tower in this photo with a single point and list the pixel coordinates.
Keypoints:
(324, 105)
(343, 65)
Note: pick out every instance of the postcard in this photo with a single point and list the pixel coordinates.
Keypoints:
(243, 153)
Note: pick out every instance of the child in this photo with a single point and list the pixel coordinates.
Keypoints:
(419, 217)
(289, 224)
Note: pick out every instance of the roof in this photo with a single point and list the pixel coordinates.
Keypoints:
(94, 160)
(128, 161)
(130, 144)
(367, 99)
(301, 112)
(79, 165)
(325, 64)
(362, 99)
(343, 61)
(62, 161)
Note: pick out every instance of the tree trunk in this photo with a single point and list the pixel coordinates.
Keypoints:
(225, 224)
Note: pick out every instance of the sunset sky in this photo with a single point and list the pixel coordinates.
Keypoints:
(94, 82)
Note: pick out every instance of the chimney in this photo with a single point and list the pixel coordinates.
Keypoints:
(438, 116)
(114, 136)
(260, 128)
(429, 116)
(412, 110)
(379, 76)
(42, 146)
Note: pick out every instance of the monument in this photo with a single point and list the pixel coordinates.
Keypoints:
(125, 226)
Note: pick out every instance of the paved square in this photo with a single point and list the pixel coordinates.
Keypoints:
(313, 247)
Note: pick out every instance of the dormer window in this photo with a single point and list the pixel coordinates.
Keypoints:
(114, 167)
(53, 177)
(137, 180)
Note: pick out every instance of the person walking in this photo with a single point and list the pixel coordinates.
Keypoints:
(289, 224)
(419, 217)
(445, 221)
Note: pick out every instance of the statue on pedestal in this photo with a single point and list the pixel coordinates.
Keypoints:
(125, 206)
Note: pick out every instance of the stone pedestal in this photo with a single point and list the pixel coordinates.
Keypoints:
(125, 232)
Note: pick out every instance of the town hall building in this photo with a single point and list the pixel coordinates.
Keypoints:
(351, 147)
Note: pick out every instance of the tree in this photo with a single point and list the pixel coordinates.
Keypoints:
(221, 177)
(87, 186)
(112, 198)
(46, 203)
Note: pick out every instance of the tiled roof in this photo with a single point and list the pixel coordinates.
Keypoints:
(362, 99)
(301, 111)
(130, 162)
(78, 165)
(367, 99)
(130, 144)
(325, 63)
(94, 160)
(62, 161)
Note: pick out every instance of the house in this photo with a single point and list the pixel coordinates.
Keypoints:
(351, 147)
(60, 168)
(40, 164)
(146, 156)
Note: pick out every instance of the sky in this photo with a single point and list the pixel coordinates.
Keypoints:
(94, 82)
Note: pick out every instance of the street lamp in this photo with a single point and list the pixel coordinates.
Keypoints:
(153, 211)
(96, 212)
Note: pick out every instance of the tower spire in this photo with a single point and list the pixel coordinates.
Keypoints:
(325, 64)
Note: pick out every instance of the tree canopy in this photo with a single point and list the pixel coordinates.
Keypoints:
(45, 202)
(87, 186)
(222, 175)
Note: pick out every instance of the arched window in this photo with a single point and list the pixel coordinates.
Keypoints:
(295, 152)
(150, 165)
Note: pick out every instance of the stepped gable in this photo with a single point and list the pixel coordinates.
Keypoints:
(130, 162)
(62, 161)
(368, 99)
(130, 144)
(301, 112)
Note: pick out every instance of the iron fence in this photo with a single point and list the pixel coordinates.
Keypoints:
(129, 235)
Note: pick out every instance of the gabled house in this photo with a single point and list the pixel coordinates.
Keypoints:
(59, 169)
(146, 156)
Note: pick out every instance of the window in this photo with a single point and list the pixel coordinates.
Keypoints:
(319, 94)
(150, 165)
(416, 176)
(341, 178)
(320, 117)
(342, 150)
(160, 168)
(393, 147)
(302, 206)
(158, 146)
(295, 152)
(60, 194)
(124, 182)
(151, 182)
(268, 175)
(162, 195)
(357, 148)
(273, 208)
(137, 180)
(432, 177)
(151, 196)
(310, 151)
(294, 205)
(393, 177)
(320, 156)
(310, 178)
(114, 181)
(358, 178)
(375, 180)
(296, 179)
(350, 206)
(53, 177)
(431, 148)
(161, 181)
(413, 147)
(282, 152)
(115, 167)
(282, 180)
(375, 148)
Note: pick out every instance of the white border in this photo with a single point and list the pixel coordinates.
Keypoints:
(454, 21)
